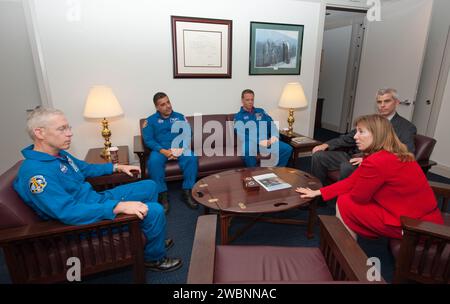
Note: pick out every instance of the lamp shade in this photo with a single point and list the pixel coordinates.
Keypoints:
(293, 96)
(101, 103)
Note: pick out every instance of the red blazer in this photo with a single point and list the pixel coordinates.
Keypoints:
(400, 188)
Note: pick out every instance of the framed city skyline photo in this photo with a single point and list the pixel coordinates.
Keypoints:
(275, 49)
(201, 47)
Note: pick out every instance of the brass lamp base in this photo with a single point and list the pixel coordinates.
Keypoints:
(106, 133)
(290, 121)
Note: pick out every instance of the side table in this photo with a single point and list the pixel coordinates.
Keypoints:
(298, 147)
(93, 156)
(101, 183)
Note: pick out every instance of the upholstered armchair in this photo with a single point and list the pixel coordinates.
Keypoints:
(338, 260)
(37, 251)
(424, 148)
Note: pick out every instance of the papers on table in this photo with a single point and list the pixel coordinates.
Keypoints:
(271, 182)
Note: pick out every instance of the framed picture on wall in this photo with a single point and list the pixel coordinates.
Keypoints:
(275, 49)
(201, 47)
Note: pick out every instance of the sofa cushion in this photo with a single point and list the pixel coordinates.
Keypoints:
(235, 264)
(207, 164)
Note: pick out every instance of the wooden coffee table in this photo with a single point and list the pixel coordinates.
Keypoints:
(225, 193)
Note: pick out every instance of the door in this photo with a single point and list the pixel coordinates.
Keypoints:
(18, 83)
(393, 53)
(430, 94)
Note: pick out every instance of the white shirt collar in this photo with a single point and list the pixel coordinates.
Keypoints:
(390, 116)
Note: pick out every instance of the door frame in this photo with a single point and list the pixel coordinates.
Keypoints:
(440, 89)
(353, 65)
(351, 81)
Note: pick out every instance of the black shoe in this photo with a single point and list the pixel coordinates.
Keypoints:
(164, 265)
(163, 199)
(187, 197)
(168, 243)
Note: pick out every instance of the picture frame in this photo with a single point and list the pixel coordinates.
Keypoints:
(201, 47)
(275, 48)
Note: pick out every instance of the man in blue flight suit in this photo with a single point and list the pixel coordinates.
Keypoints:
(52, 182)
(168, 135)
(258, 134)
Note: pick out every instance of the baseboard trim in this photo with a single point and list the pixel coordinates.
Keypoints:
(441, 170)
(331, 127)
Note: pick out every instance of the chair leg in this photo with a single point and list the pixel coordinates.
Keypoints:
(138, 252)
(444, 204)
(312, 216)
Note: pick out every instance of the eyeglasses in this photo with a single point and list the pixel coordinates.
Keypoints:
(64, 129)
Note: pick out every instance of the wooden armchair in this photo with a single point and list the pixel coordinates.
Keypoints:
(36, 251)
(338, 260)
(423, 255)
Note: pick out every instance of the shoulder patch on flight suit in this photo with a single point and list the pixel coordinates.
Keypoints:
(145, 124)
(37, 184)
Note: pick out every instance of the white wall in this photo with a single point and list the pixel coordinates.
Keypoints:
(18, 84)
(336, 49)
(127, 45)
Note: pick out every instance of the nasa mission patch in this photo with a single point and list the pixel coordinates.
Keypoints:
(37, 184)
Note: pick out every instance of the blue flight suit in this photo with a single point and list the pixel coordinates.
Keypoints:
(250, 137)
(55, 187)
(157, 134)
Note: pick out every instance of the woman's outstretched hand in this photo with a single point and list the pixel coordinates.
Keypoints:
(307, 192)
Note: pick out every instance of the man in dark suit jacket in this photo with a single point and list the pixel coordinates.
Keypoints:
(325, 157)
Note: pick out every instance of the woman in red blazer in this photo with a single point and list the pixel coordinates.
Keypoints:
(388, 184)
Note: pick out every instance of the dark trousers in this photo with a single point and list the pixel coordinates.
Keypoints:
(324, 161)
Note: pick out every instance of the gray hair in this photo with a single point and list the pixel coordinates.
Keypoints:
(391, 91)
(39, 118)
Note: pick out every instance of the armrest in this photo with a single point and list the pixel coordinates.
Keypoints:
(201, 267)
(104, 182)
(425, 228)
(426, 163)
(51, 228)
(440, 189)
(140, 151)
(138, 148)
(340, 248)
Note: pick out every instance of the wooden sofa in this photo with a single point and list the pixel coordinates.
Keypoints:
(207, 165)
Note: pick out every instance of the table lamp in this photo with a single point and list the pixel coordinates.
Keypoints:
(293, 97)
(101, 103)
